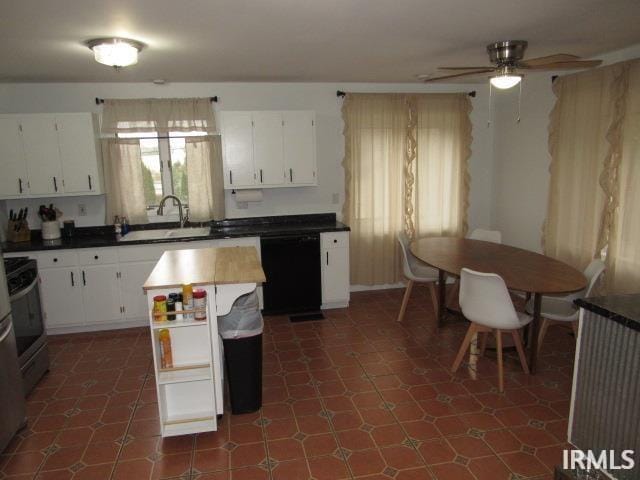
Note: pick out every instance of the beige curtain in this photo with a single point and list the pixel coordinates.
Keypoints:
(162, 115)
(205, 182)
(441, 178)
(623, 246)
(375, 129)
(123, 180)
(578, 127)
(406, 169)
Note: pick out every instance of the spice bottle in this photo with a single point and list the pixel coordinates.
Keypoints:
(179, 307)
(171, 307)
(166, 355)
(160, 306)
(200, 304)
(187, 300)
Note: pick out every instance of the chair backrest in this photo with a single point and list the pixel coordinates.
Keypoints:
(494, 236)
(403, 240)
(593, 272)
(484, 299)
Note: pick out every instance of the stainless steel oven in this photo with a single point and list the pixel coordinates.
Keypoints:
(28, 321)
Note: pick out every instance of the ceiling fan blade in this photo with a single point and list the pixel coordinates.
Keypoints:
(427, 78)
(558, 57)
(465, 68)
(566, 65)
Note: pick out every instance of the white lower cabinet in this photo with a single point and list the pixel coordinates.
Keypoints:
(101, 294)
(61, 290)
(132, 277)
(335, 269)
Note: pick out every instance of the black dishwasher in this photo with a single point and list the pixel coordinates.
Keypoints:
(291, 264)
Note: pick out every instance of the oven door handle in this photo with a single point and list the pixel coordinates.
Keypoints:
(24, 292)
(6, 332)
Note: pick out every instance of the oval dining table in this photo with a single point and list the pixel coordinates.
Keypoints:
(522, 270)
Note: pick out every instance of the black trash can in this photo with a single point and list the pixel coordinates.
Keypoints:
(241, 332)
(243, 359)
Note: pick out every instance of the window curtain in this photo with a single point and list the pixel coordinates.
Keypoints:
(595, 174)
(406, 169)
(123, 180)
(162, 115)
(439, 166)
(205, 182)
(375, 130)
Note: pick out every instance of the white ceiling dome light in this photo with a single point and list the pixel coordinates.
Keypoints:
(115, 52)
(506, 78)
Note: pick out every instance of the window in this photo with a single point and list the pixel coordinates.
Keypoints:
(164, 170)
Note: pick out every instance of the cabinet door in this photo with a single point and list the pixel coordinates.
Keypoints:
(132, 276)
(267, 148)
(299, 147)
(40, 143)
(13, 180)
(101, 293)
(76, 139)
(237, 138)
(61, 290)
(335, 275)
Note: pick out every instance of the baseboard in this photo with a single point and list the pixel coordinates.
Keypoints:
(130, 323)
(386, 286)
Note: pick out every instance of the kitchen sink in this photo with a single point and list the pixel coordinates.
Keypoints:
(160, 234)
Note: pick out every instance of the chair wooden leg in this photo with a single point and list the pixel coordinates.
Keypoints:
(544, 325)
(483, 343)
(405, 300)
(574, 327)
(434, 297)
(464, 347)
(500, 365)
(518, 343)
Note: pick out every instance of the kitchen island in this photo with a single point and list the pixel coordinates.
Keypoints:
(190, 390)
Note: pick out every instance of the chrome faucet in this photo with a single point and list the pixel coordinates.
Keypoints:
(183, 219)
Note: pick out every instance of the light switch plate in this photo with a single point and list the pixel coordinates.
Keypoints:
(82, 210)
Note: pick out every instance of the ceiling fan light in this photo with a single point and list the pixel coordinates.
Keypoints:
(505, 81)
(115, 52)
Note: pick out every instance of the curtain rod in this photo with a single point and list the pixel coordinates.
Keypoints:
(101, 100)
(340, 93)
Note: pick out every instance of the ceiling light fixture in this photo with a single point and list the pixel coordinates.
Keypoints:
(506, 78)
(115, 52)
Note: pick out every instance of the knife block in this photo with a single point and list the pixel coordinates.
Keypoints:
(18, 231)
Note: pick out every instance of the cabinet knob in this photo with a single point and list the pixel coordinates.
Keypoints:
(335, 240)
(96, 257)
(55, 260)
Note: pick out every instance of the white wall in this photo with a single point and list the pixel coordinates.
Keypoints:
(321, 97)
(521, 157)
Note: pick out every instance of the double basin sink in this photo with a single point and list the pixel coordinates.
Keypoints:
(165, 233)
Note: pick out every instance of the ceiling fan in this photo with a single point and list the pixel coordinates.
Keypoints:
(508, 64)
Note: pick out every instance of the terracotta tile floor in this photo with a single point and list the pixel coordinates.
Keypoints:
(354, 396)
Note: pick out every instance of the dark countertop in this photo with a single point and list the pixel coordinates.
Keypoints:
(623, 309)
(95, 237)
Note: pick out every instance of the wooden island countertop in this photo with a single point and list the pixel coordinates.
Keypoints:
(206, 266)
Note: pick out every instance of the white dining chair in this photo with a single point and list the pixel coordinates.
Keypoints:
(485, 302)
(561, 310)
(416, 271)
(494, 236)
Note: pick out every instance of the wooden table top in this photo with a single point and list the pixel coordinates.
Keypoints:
(521, 270)
(206, 266)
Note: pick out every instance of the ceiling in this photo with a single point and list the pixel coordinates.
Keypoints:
(297, 40)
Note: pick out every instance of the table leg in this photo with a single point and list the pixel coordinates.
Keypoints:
(533, 332)
(442, 294)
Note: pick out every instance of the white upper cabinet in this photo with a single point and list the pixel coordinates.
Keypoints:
(77, 141)
(50, 155)
(42, 154)
(13, 181)
(269, 149)
(237, 138)
(299, 147)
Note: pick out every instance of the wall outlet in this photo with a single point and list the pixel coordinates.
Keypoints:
(335, 198)
(82, 210)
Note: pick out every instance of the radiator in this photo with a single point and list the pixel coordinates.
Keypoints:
(605, 403)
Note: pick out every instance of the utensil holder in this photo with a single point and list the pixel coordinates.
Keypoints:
(18, 231)
(51, 230)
